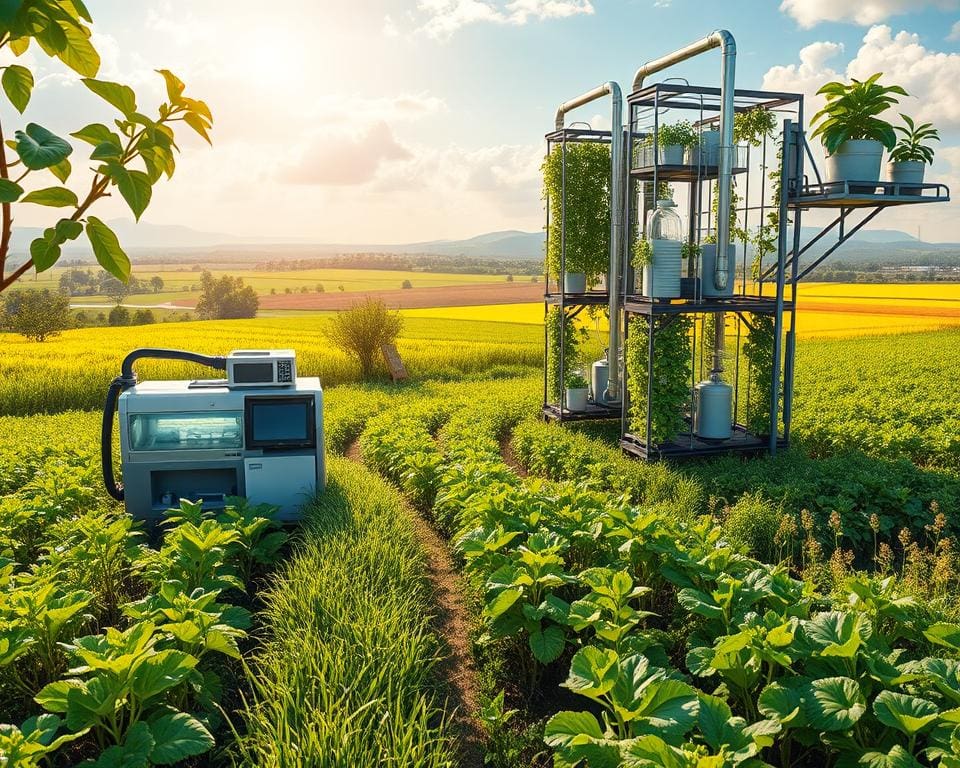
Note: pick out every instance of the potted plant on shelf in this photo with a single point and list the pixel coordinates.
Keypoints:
(911, 155)
(577, 187)
(852, 132)
(577, 389)
(674, 140)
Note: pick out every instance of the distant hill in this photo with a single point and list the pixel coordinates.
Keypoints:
(154, 240)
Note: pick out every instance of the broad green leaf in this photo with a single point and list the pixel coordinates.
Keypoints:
(17, 83)
(97, 133)
(39, 148)
(669, 707)
(177, 737)
(10, 191)
(834, 704)
(783, 703)
(89, 703)
(107, 249)
(837, 633)
(8, 12)
(79, 55)
(222, 643)
(503, 602)
(897, 757)
(61, 170)
(55, 197)
(593, 672)
(564, 727)
(133, 753)
(134, 186)
(160, 672)
(106, 150)
(53, 696)
(120, 96)
(547, 644)
(653, 752)
(908, 714)
(712, 720)
(944, 634)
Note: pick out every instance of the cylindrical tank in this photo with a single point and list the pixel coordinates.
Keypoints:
(661, 279)
(713, 414)
(599, 376)
(708, 261)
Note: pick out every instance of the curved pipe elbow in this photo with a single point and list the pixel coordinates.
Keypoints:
(600, 91)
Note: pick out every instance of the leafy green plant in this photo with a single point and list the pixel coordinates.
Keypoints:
(30, 745)
(193, 556)
(671, 376)
(758, 351)
(119, 688)
(563, 333)
(580, 223)
(610, 609)
(753, 126)
(576, 380)
(131, 161)
(642, 253)
(911, 145)
(680, 133)
(853, 111)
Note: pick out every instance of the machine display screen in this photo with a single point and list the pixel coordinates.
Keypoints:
(275, 422)
(252, 373)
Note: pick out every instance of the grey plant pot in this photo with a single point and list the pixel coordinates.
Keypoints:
(907, 172)
(661, 279)
(577, 400)
(672, 154)
(574, 282)
(856, 160)
(708, 261)
(709, 148)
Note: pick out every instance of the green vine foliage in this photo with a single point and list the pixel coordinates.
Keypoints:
(573, 336)
(671, 376)
(587, 208)
(758, 350)
(752, 126)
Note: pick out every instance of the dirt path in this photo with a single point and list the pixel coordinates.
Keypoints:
(509, 457)
(453, 624)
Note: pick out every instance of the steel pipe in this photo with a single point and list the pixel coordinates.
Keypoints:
(723, 40)
(616, 221)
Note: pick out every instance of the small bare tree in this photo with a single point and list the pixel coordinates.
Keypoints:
(362, 330)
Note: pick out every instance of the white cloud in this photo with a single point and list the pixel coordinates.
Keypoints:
(930, 77)
(809, 13)
(444, 17)
(345, 159)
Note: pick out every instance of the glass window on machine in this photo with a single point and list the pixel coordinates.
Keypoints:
(186, 431)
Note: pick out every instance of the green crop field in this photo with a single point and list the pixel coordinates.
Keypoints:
(797, 605)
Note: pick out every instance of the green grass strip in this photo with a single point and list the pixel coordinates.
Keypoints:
(346, 676)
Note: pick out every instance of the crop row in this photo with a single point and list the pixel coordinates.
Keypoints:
(113, 652)
(687, 651)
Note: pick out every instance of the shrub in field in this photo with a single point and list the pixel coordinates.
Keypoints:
(362, 330)
(130, 160)
(226, 298)
(37, 315)
(753, 523)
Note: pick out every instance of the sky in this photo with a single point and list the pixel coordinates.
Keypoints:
(389, 121)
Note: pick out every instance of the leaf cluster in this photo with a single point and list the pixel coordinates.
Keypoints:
(853, 111)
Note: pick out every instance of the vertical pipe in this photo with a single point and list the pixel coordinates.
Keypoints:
(781, 276)
(798, 143)
(616, 224)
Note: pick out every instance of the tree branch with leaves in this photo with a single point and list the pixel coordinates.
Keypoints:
(129, 157)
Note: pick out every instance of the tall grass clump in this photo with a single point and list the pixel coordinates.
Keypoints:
(346, 676)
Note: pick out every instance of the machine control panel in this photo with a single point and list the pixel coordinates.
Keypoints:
(261, 368)
(285, 371)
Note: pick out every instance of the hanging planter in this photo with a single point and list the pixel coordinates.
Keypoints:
(578, 241)
(852, 132)
(910, 156)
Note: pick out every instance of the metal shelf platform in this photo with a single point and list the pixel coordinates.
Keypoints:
(588, 299)
(763, 305)
(594, 412)
(687, 445)
(852, 194)
(687, 173)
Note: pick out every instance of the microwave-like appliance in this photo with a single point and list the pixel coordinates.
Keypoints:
(261, 368)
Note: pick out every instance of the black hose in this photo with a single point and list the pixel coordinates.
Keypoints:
(127, 379)
(106, 439)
